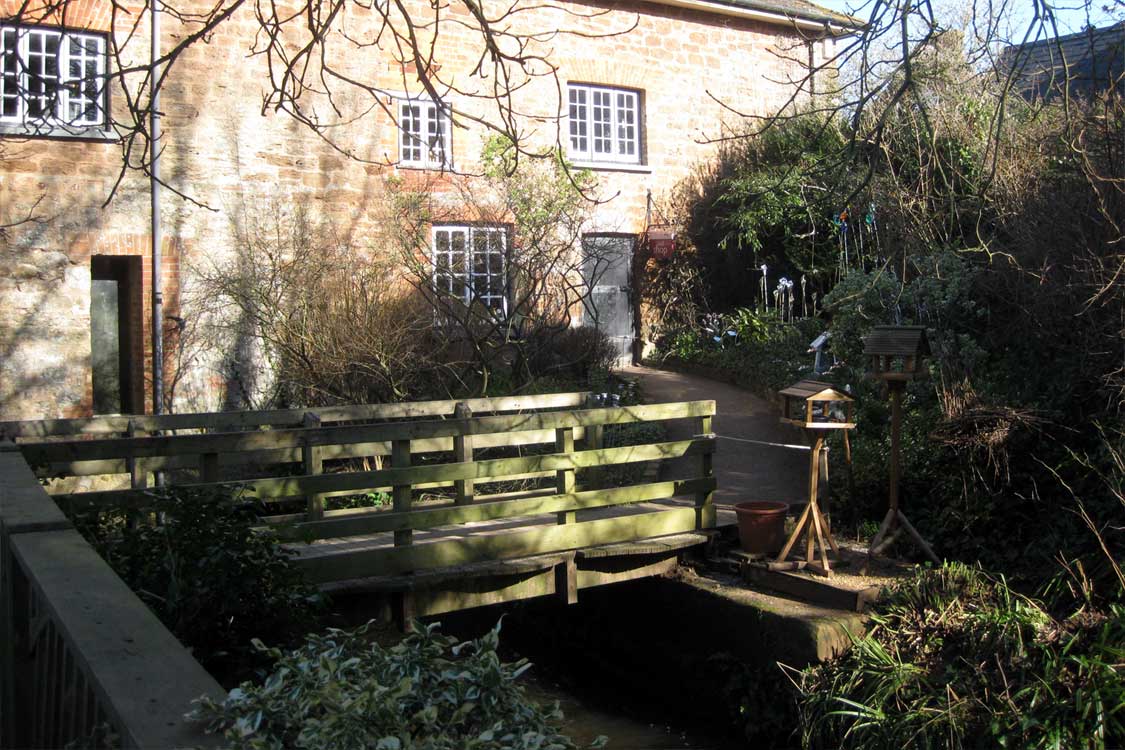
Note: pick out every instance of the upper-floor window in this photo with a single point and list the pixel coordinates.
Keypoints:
(469, 264)
(52, 81)
(604, 124)
(424, 136)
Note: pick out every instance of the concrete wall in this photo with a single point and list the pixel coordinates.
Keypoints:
(232, 161)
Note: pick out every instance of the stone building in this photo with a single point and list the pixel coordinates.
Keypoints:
(636, 91)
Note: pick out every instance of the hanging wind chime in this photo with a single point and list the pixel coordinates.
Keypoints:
(842, 225)
(872, 225)
(765, 288)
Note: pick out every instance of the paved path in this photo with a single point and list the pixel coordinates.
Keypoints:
(745, 470)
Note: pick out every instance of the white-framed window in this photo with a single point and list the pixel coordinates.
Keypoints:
(52, 81)
(424, 134)
(470, 264)
(604, 124)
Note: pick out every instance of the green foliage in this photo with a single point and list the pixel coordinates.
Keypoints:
(580, 355)
(537, 193)
(956, 659)
(214, 580)
(761, 700)
(753, 349)
(543, 207)
(366, 500)
(340, 690)
(771, 198)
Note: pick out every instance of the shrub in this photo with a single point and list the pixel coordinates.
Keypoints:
(210, 577)
(577, 354)
(339, 690)
(956, 659)
(310, 315)
(755, 349)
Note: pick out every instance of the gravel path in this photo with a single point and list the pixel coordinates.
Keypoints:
(746, 467)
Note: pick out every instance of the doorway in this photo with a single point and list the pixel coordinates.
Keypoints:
(116, 308)
(607, 267)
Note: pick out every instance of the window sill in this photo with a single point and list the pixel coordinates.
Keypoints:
(58, 133)
(612, 166)
(414, 167)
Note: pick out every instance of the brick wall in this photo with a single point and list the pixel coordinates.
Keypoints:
(232, 158)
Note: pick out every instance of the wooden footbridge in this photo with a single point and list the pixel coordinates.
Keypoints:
(491, 500)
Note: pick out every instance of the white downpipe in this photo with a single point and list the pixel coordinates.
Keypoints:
(155, 229)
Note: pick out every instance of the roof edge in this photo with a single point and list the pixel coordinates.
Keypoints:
(836, 24)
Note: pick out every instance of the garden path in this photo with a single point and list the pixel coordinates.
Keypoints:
(758, 457)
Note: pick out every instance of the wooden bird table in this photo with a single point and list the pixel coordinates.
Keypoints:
(818, 535)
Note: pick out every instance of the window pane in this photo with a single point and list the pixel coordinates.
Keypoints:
(9, 76)
(578, 116)
(42, 73)
(443, 280)
(626, 124)
(437, 136)
(604, 123)
(84, 80)
(52, 77)
(425, 135)
(410, 125)
(603, 127)
(475, 269)
(496, 280)
(457, 263)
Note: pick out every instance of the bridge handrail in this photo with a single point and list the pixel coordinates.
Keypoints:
(468, 473)
(418, 477)
(66, 457)
(232, 420)
(77, 647)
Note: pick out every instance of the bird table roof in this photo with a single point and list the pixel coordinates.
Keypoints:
(816, 390)
(897, 341)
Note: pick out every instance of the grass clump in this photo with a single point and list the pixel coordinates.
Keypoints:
(956, 659)
(428, 692)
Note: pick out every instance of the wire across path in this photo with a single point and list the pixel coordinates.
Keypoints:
(758, 458)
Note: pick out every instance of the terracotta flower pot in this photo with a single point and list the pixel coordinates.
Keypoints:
(761, 526)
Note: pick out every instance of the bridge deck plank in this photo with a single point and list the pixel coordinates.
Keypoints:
(332, 546)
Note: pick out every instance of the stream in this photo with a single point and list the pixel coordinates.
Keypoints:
(584, 720)
(631, 662)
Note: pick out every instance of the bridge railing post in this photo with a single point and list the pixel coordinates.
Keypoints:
(209, 467)
(312, 463)
(595, 440)
(564, 478)
(402, 496)
(138, 478)
(463, 453)
(704, 507)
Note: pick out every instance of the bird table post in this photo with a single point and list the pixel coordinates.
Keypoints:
(815, 407)
(895, 354)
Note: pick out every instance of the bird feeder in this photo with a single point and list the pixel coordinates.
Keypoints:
(814, 407)
(661, 243)
(896, 355)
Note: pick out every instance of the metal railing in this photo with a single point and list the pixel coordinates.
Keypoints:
(78, 650)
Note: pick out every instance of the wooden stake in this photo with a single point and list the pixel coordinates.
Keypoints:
(895, 518)
(311, 465)
(401, 494)
(818, 535)
(564, 478)
(463, 453)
